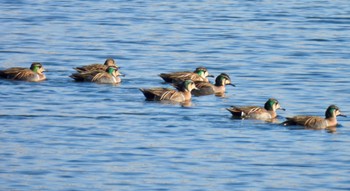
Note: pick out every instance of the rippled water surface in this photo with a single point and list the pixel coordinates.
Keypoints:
(62, 135)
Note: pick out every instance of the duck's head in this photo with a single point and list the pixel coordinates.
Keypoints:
(272, 105)
(113, 70)
(333, 111)
(188, 85)
(202, 72)
(37, 67)
(223, 79)
(109, 62)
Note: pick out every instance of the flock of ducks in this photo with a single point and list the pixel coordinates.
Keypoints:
(186, 84)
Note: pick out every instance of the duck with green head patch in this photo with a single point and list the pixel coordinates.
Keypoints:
(200, 74)
(182, 94)
(268, 112)
(99, 67)
(315, 122)
(109, 76)
(219, 88)
(32, 74)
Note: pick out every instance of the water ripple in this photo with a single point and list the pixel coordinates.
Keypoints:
(62, 135)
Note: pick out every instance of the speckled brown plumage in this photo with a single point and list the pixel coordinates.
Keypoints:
(200, 74)
(32, 74)
(182, 93)
(315, 122)
(267, 112)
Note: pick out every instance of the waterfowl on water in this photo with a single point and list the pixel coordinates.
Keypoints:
(315, 122)
(183, 92)
(206, 88)
(109, 76)
(93, 67)
(267, 112)
(32, 74)
(200, 74)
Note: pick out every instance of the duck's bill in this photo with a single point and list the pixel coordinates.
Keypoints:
(232, 85)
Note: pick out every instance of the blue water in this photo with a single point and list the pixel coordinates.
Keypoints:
(62, 135)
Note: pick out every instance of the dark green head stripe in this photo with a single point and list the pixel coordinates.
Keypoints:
(111, 69)
(219, 81)
(269, 104)
(330, 111)
(35, 66)
(200, 72)
(185, 84)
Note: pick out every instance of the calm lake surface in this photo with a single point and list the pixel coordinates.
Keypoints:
(62, 135)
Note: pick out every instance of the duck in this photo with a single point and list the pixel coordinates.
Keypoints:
(266, 113)
(207, 88)
(32, 74)
(199, 74)
(181, 94)
(109, 76)
(316, 122)
(93, 67)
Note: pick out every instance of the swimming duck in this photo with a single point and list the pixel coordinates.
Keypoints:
(268, 112)
(183, 92)
(109, 76)
(93, 67)
(315, 122)
(32, 74)
(206, 88)
(200, 74)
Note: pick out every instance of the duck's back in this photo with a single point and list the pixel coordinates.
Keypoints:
(253, 112)
(11, 72)
(160, 94)
(312, 122)
(19, 73)
(181, 76)
(175, 76)
(91, 67)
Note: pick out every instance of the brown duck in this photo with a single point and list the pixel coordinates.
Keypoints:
(32, 74)
(207, 88)
(268, 112)
(110, 76)
(182, 94)
(315, 122)
(93, 67)
(200, 74)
